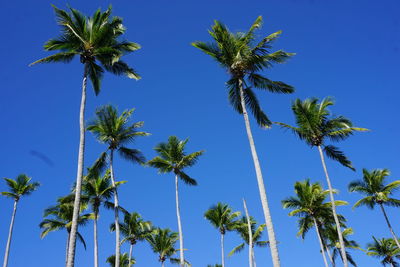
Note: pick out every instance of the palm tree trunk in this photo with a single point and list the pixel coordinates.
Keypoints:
(178, 215)
(116, 211)
(320, 243)
(261, 187)
(390, 226)
(330, 256)
(162, 264)
(222, 250)
(7, 253)
(253, 257)
(96, 249)
(130, 255)
(77, 201)
(339, 230)
(250, 234)
(67, 246)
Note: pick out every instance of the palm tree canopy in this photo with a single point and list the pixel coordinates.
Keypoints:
(134, 228)
(310, 203)
(173, 158)
(386, 249)
(95, 39)
(162, 242)
(222, 217)
(316, 124)
(244, 59)
(123, 260)
(116, 131)
(373, 187)
(19, 187)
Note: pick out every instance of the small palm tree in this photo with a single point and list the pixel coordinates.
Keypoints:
(256, 234)
(331, 239)
(222, 218)
(21, 186)
(116, 132)
(316, 125)
(97, 190)
(60, 216)
(376, 192)
(96, 41)
(386, 249)
(244, 60)
(173, 158)
(133, 229)
(215, 265)
(124, 260)
(162, 242)
(310, 206)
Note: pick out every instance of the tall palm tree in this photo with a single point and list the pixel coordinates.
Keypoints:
(316, 125)
(97, 191)
(244, 59)
(384, 248)
(256, 234)
(330, 236)
(60, 216)
(162, 242)
(21, 186)
(310, 206)
(224, 219)
(116, 131)
(376, 192)
(172, 157)
(124, 260)
(97, 42)
(133, 229)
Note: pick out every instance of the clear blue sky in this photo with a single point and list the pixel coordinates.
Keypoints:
(346, 49)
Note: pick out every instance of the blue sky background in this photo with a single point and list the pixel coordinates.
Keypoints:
(346, 49)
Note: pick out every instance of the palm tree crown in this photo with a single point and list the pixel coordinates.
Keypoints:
(222, 217)
(162, 241)
(386, 249)
(124, 260)
(134, 228)
(95, 40)
(19, 187)
(244, 59)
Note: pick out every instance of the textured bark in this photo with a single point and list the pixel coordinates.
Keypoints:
(222, 251)
(67, 246)
(79, 175)
(96, 249)
(250, 234)
(130, 255)
(339, 230)
(7, 253)
(116, 211)
(320, 242)
(261, 187)
(389, 225)
(178, 216)
(330, 256)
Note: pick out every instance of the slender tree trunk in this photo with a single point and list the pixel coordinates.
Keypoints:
(130, 255)
(261, 187)
(7, 253)
(253, 257)
(389, 225)
(178, 216)
(67, 246)
(339, 230)
(96, 249)
(330, 256)
(116, 211)
(250, 234)
(222, 251)
(162, 264)
(320, 242)
(77, 201)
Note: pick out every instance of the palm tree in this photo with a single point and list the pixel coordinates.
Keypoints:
(133, 229)
(124, 260)
(18, 188)
(162, 242)
(256, 234)
(316, 124)
(97, 191)
(116, 132)
(96, 40)
(173, 158)
(215, 265)
(222, 218)
(310, 206)
(244, 60)
(376, 192)
(384, 248)
(60, 216)
(331, 239)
